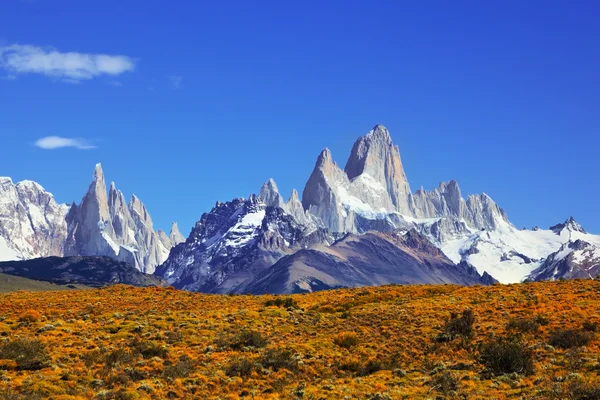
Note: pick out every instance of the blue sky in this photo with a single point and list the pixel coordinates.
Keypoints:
(205, 101)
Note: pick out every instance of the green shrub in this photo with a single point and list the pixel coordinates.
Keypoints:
(148, 349)
(590, 326)
(30, 355)
(346, 340)
(457, 326)
(570, 338)
(370, 367)
(287, 302)
(243, 339)
(118, 357)
(181, 369)
(444, 383)
(506, 355)
(277, 359)
(522, 325)
(241, 367)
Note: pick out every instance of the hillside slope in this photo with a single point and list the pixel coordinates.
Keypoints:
(10, 283)
(89, 271)
(389, 342)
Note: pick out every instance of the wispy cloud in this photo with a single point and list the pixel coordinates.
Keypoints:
(70, 67)
(57, 142)
(176, 81)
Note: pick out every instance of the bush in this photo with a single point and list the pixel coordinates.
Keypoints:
(30, 316)
(346, 340)
(149, 349)
(180, 369)
(444, 383)
(243, 339)
(458, 326)
(579, 390)
(288, 302)
(370, 367)
(277, 359)
(590, 326)
(505, 356)
(117, 357)
(570, 338)
(522, 325)
(240, 367)
(30, 355)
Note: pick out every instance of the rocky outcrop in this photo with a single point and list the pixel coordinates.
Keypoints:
(478, 211)
(175, 237)
(109, 226)
(32, 223)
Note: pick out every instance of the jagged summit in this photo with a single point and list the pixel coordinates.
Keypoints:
(570, 224)
(98, 173)
(106, 226)
(379, 133)
(175, 236)
(372, 192)
(269, 193)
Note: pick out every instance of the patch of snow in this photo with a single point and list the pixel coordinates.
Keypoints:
(244, 231)
(355, 204)
(6, 253)
(111, 243)
(492, 249)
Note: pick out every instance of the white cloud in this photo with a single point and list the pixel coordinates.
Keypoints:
(57, 142)
(176, 81)
(69, 67)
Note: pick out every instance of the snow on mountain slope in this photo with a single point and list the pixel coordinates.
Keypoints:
(372, 192)
(509, 254)
(6, 253)
(32, 223)
(575, 259)
(232, 242)
(109, 226)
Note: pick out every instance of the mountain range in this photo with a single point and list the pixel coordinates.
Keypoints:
(360, 225)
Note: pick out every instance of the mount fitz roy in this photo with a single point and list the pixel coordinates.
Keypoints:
(360, 225)
(33, 225)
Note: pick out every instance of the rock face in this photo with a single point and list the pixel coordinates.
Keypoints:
(32, 223)
(374, 155)
(362, 260)
(89, 271)
(478, 211)
(234, 241)
(109, 226)
(372, 192)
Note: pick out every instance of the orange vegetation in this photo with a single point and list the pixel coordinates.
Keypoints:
(535, 340)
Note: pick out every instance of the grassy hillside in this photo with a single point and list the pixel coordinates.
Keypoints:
(522, 341)
(10, 283)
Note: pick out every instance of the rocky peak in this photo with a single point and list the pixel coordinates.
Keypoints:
(294, 196)
(570, 224)
(375, 155)
(270, 194)
(175, 236)
(138, 208)
(32, 223)
(101, 226)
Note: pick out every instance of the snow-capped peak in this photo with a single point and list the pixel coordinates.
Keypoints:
(570, 225)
